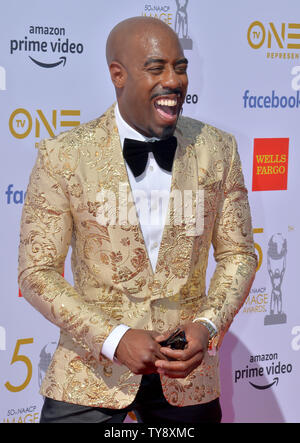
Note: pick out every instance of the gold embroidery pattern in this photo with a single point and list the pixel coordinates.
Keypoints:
(113, 279)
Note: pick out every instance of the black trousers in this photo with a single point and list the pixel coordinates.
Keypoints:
(149, 406)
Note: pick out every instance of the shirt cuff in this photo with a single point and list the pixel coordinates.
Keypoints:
(110, 344)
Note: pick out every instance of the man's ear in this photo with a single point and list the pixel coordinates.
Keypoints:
(118, 74)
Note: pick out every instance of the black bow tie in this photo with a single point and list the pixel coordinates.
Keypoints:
(136, 152)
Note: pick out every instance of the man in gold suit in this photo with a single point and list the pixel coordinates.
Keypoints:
(140, 194)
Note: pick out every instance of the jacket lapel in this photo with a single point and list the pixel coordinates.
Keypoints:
(133, 270)
(176, 249)
(132, 267)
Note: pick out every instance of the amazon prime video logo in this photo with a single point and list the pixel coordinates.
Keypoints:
(277, 251)
(263, 371)
(46, 46)
(181, 24)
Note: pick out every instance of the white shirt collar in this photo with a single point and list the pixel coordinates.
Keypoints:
(126, 131)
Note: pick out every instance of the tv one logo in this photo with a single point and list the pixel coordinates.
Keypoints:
(22, 122)
(283, 36)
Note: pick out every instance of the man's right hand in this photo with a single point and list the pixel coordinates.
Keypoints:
(138, 350)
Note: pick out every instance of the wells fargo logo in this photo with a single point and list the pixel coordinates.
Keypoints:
(280, 40)
(22, 122)
(270, 164)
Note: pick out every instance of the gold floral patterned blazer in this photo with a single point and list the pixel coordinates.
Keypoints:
(113, 279)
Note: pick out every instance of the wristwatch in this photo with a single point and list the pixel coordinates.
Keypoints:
(211, 329)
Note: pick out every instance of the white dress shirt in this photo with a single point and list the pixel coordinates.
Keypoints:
(151, 192)
(151, 195)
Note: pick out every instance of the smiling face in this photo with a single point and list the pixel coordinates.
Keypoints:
(151, 79)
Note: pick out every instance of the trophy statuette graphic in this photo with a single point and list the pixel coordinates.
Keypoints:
(277, 251)
(181, 24)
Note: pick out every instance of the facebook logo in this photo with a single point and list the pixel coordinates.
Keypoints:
(14, 195)
(2, 79)
(271, 101)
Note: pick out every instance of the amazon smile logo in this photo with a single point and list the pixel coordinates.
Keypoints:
(262, 387)
(47, 47)
(265, 374)
(49, 65)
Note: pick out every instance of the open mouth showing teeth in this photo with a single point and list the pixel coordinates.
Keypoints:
(167, 108)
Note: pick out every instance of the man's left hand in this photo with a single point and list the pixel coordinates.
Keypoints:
(183, 362)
